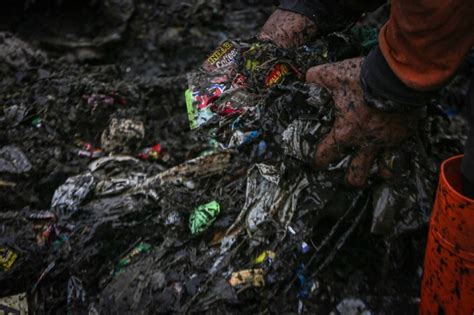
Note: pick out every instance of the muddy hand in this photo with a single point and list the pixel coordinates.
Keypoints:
(356, 126)
(287, 29)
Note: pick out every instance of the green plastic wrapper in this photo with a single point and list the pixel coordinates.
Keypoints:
(203, 217)
(141, 247)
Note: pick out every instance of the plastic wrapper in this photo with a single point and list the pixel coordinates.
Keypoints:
(203, 217)
(152, 153)
(226, 55)
(277, 74)
(141, 247)
(205, 87)
(265, 256)
(253, 277)
(88, 150)
(7, 258)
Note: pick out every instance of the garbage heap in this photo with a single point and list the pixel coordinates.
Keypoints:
(242, 222)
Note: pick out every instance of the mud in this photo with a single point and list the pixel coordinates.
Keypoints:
(72, 81)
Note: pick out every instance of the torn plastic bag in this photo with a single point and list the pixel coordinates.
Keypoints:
(401, 208)
(69, 196)
(302, 135)
(15, 304)
(268, 198)
(299, 140)
(111, 160)
(116, 185)
(76, 296)
(13, 160)
(117, 174)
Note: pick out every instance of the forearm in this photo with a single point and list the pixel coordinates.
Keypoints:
(421, 47)
(425, 41)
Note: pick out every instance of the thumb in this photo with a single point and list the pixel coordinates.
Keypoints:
(322, 75)
(359, 168)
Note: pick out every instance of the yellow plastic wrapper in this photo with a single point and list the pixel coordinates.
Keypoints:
(268, 254)
(7, 258)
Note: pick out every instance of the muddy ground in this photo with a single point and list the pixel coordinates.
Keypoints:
(67, 69)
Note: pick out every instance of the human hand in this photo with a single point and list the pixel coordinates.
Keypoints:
(357, 126)
(287, 29)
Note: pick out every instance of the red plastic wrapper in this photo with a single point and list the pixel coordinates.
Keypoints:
(151, 153)
(88, 150)
(277, 74)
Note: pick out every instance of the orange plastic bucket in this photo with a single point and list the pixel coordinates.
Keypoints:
(448, 275)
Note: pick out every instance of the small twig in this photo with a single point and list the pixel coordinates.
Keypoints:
(328, 238)
(342, 240)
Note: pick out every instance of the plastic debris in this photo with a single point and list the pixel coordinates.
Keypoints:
(366, 36)
(14, 305)
(353, 306)
(305, 248)
(45, 272)
(265, 256)
(306, 286)
(69, 196)
(7, 258)
(122, 136)
(274, 201)
(13, 160)
(37, 122)
(277, 74)
(140, 248)
(224, 56)
(151, 153)
(240, 138)
(203, 217)
(253, 277)
(76, 295)
(88, 150)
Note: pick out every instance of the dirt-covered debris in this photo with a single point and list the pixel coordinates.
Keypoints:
(86, 228)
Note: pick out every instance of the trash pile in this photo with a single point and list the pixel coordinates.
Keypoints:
(123, 195)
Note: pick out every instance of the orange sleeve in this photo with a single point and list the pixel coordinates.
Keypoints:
(425, 41)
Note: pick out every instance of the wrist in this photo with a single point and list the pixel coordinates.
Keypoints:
(384, 91)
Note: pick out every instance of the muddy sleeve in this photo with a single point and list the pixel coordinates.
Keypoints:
(385, 91)
(330, 15)
(421, 47)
